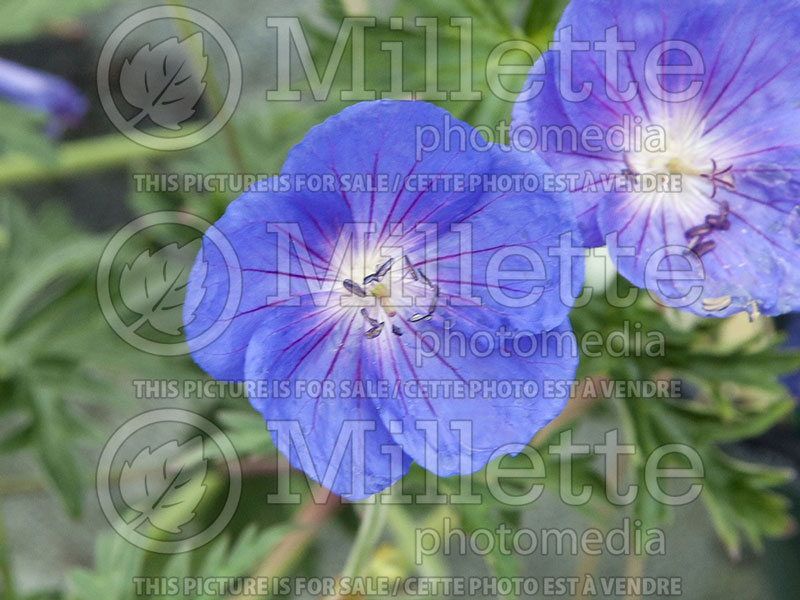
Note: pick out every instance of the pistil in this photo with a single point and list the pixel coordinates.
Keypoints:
(384, 297)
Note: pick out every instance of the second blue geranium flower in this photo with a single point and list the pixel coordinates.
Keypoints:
(715, 83)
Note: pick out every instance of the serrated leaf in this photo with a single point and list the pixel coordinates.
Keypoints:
(251, 546)
(162, 82)
(708, 426)
(73, 257)
(163, 485)
(117, 562)
(740, 501)
(226, 558)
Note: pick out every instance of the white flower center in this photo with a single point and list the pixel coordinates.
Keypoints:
(684, 150)
(394, 284)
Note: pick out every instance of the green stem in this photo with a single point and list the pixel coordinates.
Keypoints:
(372, 523)
(627, 420)
(84, 156)
(403, 528)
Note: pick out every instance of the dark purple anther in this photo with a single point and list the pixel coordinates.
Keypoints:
(354, 288)
(698, 230)
(718, 221)
(384, 269)
(704, 247)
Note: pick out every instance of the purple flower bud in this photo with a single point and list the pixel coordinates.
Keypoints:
(42, 92)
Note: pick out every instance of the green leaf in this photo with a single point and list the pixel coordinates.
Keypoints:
(53, 444)
(501, 561)
(246, 430)
(708, 426)
(117, 562)
(740, 502)
(23, 132)
(18, 438)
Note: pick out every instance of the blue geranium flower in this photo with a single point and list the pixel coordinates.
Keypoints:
(42, 92)
(702, 99)
(397, 305)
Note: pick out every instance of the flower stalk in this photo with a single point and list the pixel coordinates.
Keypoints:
(373, 521)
